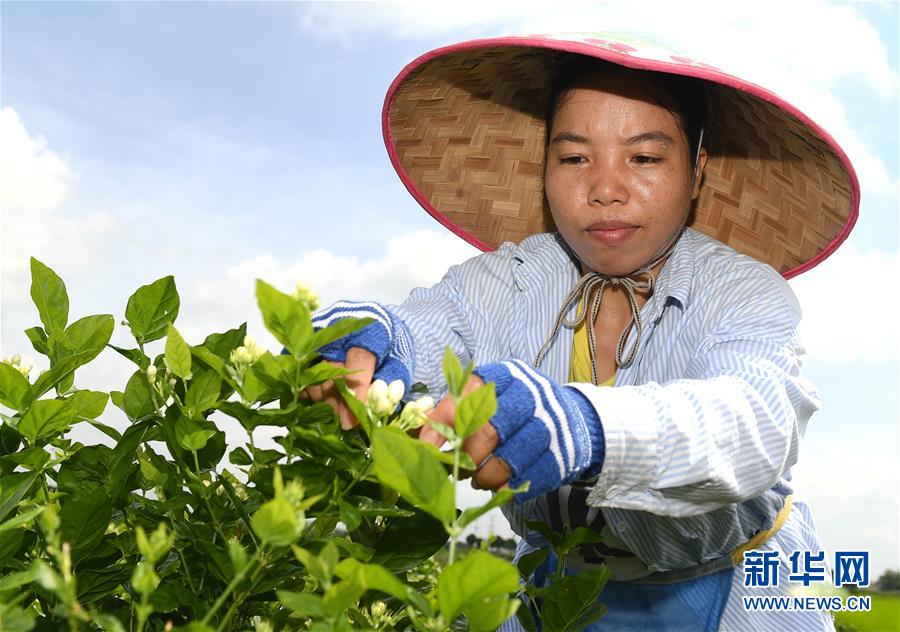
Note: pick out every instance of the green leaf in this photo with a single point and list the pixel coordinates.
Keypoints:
(498, 499)
(571, 602)
(350, 515)
(49, 295)
(338, 329)
(211, 360)
(38, 338)
(203, 392)
(530, 561)
(46, 417)
(221, 345)
(275, 522)
(406, 542)
(178, 354)
(375, 577)
(152, 308)
(314, 565)
(10, 542)
(138, 398)
(21, 519)
(573, 539)
(303, 604)
(555, 539)
(239, 456)
(285, 317)
(471, 582)
(90, 334)
(135, 355)
(83, 522)
(269, 377)
(13, 489)
(412, 468)
(357, 408)
(32, 458)
(61, 372)
(15, 391)
(17, 580)
(475, 410)
(87, 405)
(191, 434)
(453, 372)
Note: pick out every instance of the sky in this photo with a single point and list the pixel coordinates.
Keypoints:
(224, 142)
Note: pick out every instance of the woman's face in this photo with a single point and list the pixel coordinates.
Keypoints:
(618, 174)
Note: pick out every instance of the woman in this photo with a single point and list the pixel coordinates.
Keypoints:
(647, 372)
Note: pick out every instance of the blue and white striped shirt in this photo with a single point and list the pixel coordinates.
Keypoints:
(701, 429)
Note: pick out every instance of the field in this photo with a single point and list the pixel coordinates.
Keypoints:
(884, 616)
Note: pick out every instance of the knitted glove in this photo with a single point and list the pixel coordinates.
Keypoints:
(549, 434)
(387, 338)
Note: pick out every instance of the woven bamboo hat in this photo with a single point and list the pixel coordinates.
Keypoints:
(464, 128)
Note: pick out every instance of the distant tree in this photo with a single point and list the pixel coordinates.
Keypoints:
(473, 541)
(889, 581)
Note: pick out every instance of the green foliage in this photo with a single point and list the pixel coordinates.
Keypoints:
(330, 530)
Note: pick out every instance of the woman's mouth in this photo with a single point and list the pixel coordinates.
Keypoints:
(611, 232)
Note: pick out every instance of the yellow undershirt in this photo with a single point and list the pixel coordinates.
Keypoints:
(580, 369)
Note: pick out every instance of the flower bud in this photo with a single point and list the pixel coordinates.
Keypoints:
(395, 392)
(307, 295)
(24, 370)
(172, 383)
(151, 372)
(15, 360)
(424, 404)
(377, 390)
(378, 609)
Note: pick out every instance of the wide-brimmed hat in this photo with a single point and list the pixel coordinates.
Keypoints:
(464, 128)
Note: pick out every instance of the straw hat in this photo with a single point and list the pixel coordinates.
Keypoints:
(464, 127)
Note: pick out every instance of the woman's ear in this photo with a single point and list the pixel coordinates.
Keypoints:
(702, 157)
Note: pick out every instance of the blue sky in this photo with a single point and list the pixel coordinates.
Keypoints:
(224, 141)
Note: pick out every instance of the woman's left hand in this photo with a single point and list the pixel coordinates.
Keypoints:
(543, 432)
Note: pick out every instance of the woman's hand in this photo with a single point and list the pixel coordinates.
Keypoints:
(380, 350)
(362, 362)
(543, 432)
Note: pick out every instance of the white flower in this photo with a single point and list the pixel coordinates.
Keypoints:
(307, 295)
(242, 355)
(253, 349)
(24, 370)
(379, 398)
(415, 414)
(151, 373)
(395, 391)
(424, 404)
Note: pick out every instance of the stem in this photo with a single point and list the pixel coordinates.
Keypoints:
(457, 446)
(238, 578)
(254, 579)
(187, 572)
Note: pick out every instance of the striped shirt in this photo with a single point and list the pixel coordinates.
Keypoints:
(700, 429)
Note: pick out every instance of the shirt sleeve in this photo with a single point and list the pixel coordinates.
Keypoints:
(458, 312)
(728, 430)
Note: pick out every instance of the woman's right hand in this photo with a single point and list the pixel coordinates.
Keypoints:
(362, 363)
(380, 350)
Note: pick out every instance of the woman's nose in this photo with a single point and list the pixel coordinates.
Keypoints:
(607, 185)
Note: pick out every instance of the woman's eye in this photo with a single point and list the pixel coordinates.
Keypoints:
(646, 160)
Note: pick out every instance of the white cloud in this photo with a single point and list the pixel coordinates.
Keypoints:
(35, 184)
(800, 50)
(845, 300)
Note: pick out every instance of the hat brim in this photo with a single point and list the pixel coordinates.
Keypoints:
(463, 126)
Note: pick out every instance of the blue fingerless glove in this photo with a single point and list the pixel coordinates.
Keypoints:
(388, 338)
(549, 434)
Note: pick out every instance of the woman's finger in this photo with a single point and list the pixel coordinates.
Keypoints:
(481, 444)
(493, 474)
(445, 413)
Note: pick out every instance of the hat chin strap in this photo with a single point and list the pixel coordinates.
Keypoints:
(641, 280)
(630, 283)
